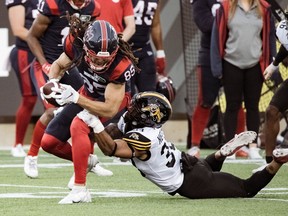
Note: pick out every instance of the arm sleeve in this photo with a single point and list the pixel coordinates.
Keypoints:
(202, 16)
(281, 55)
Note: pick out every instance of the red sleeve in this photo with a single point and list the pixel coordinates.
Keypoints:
(127, 8)
(68, 46)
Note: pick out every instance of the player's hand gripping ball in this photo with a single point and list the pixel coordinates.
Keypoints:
(47, 94)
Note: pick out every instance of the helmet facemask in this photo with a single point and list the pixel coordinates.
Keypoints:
(100, 45)
(99, 62)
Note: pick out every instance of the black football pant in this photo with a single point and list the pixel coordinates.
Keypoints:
(205, 180)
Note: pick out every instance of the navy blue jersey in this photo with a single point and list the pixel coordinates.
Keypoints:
(120, 71)
(30, 14)
(53, 39)
(203, 17)
(143, 12)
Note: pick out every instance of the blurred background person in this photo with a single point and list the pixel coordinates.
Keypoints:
(21, 15)
(120, 14)
(242, 46)
(208, 85)
(147, 20)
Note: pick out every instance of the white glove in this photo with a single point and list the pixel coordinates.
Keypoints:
(91, 120)
(65, 94)
(214, 9)
(270, 70)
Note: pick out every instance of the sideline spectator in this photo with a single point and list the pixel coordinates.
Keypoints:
(208, 85)
(242, 46)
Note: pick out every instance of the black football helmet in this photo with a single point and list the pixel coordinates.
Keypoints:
(148, 109)
(165, 86)
(100, 45)
(79, 5)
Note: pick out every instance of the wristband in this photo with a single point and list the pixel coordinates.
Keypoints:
(160, 54)
(98, 128)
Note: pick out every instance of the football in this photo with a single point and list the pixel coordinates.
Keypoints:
(48, 94)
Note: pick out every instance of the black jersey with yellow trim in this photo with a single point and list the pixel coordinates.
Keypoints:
(137, 140)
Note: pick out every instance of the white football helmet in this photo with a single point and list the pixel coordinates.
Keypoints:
(282, 32)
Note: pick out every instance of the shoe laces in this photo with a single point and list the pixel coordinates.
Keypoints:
(32, 163)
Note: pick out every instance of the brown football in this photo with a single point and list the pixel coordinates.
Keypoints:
(48, 94)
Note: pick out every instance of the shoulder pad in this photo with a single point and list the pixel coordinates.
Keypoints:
(137, 140)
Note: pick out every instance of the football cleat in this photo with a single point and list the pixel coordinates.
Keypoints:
(253, 153)
(30, 166)
(280, 155)
(78, 194)
(18, 151)
(101, 171)
(237, 142)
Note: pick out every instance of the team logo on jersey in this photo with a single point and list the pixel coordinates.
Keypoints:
(115, 1)
(154, 111)
(134, 136)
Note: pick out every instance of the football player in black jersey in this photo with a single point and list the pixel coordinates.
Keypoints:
(147, 20)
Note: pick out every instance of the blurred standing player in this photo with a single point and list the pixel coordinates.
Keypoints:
(120, 15)
(105, 62)
(147, 20)
(203, 14)
(21, 15)
(45, 38)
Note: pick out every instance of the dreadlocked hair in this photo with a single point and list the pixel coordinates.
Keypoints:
(77, 31)
(77, 25)
(126, 50)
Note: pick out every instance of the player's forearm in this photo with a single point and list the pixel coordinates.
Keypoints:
(98, 108)
(281, 55)
(36, 49)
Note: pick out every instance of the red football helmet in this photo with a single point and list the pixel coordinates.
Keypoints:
(100, 45)
(78, 4)
(165, 86)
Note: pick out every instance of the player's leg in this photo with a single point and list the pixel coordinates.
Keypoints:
(208, 89)
(20, 61)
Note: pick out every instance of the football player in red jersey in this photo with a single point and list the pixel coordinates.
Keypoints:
(106, 65)
(45, 39)
(21, 15)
